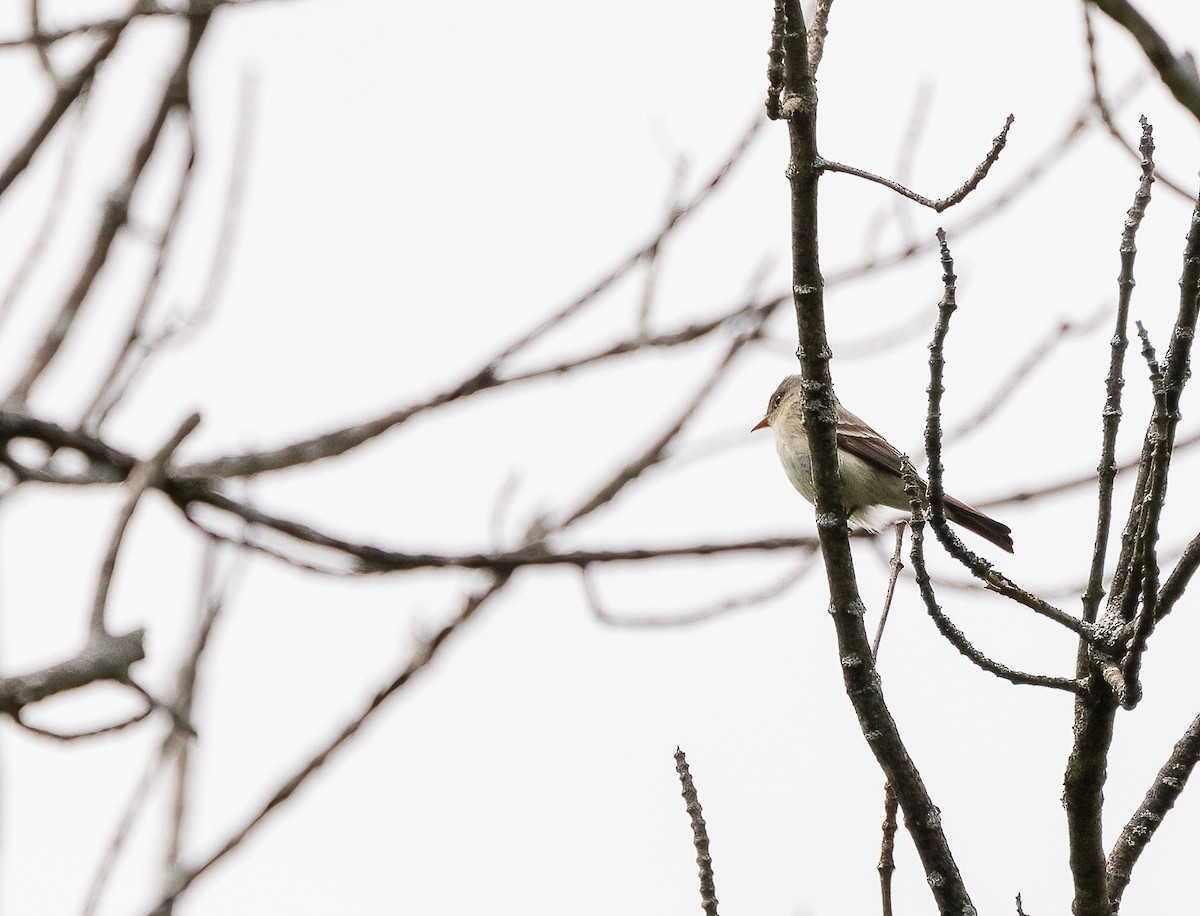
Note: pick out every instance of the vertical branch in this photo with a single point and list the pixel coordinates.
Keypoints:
(116, 215)
(887, 862)
(708, 888)
(937, 368)
(1111, 415)
(1138, 574)
(798, 105)
(1095, 709)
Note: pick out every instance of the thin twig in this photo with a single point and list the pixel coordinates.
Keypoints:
(143, 477)
(1111, 415)
(93, 415)
(141, 9)
(656, 450)
(55, 207)
(89, 733)
(115, 216)
(895, 565)
(943, 203)
(69, 90)
(695, 615)
(887, 846)
(980, 568)
(1015, 190)
(708, 889)
(945, 626)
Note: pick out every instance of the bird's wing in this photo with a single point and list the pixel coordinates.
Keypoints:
(860, 440)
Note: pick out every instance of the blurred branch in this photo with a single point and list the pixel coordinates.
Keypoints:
(104, 658)
(142, 477)
(141, 9)
(674, 219)
(340, 441)
(105, 397)
(140, 346)
(1105, 112)
(656, 451)
(68, 91)
(90, 733)
(54, 207)
(420, 660)
(1020, 373)
(1178, 74)
(177, 742)
(115, 216)
(696, 615)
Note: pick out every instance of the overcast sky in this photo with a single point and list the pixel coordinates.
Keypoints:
(424, 183)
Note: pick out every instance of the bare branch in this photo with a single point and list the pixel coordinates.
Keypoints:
(860, 678)
(1168, 785)
(1172, 590)
(696, 615)
(141, 9)
(708, 890)
(818, 31)
(104, 658)
(116, 214)
(68, 91)
(895, 565)
(1178, 74)
(887, 861)
(143, 477)
(980, 568)
(1105, 111)
(54, 208)
(340, 441)
(1038, 167)
(945, 626)
(1111, 415)
(121, 831)
(656, 451)
(944, 203)
(90, 733)
(420, 660)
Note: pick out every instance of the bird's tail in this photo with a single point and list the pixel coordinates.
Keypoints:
(983, 525)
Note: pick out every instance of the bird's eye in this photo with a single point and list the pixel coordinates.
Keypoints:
(775, 399)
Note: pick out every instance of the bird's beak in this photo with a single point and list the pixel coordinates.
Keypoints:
(762, 424)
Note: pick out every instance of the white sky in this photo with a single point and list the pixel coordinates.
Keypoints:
(426, 182)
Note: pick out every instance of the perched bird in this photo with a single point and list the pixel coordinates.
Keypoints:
(869, 466)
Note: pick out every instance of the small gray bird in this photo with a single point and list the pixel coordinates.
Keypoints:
(869, 466)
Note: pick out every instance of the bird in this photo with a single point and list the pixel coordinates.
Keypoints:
(869, 467)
